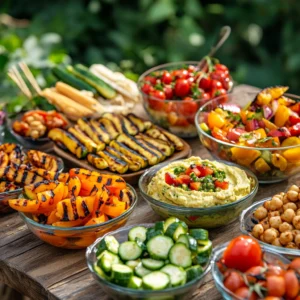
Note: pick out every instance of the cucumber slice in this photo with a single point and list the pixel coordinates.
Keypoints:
(108, 243)
(188, 240)
(181, 229)
(152, 232)
(180, 255)
(141, 271)
(101, 273)
(159, 225)
(193, 272)
(159, 247)
(156, 281)
(132, 263)
(137, 232)
(205, 250)
(199, 234)
(130, 251)
(121, 274)
(135, 282)
(169, 221)
(177, 274)
(107, 260)
(152, 264)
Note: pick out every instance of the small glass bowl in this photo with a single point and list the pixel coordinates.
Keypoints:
(247, 221)
(268, 256)
(172, 115)
(223, 150)
(210, 217)
(119, 293)
(77, 237)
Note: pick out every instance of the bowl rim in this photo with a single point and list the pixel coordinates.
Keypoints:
(196, 209)
(140, 292)
(166, 65)
(250, 209)
(200, 131)
(80, 228)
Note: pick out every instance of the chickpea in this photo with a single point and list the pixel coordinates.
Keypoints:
(267, 205)
(281, 210)
(296, 222)
(292, 195)
(260, 213)
(276, 242)
(286, 237)
(294, 188)
(291, 205)
(285, 199)
(288, 215)
(40, 127)
(285, 227)
(295, 232)
(298, 212)
(35, 124)
(275, 222)
(270, 235)
(298, 203)
(297, 240)
(29, 119)
(265, 224)
(291, 245)
(257, 230)
(276, 203)
(282, 194)
(262, 238)
(34, 134)
(273, 214)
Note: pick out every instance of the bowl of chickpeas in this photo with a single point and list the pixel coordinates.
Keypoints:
(275, 222)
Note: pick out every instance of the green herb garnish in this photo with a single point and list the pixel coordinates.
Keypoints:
(179, 170)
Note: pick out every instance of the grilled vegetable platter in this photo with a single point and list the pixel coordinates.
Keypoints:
(167, 254)
(117, 143)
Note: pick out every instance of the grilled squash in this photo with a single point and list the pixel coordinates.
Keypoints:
(24, 205)
(173, 139)
(74, 187)
(101, 130)
(114, 163)
(110, 128)
(17, 156)
(97, 161)
(138, 122)
(42, 160)
(9, 147)
(6, 186)
(115, 120)
(128, 126)
(155, 133)
(31, 190)
(21, 176)
(4, 160)
(152, 148)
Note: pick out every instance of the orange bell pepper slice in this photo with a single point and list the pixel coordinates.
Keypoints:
(24, 205)
(74, 187)
(101, 219)
(52, 218)
(31, 190)
(114, 211)
(67, 224)
(51, 239)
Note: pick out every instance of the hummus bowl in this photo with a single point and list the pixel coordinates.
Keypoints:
(200, 216)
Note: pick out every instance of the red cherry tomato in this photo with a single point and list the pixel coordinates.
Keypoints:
(191, 69)
(188, 107)
(184, 179)
(157, 102)
(294, 120)
(221, 67)
(221, 184)
(295, 130)
(275, 286)
(291, 284)
(168, 92)
(234, 134)
(166, 78)
(204, 171)
(184, 74)
(191, 170)
(253, 272)
(242, 253)
(295, 264)
(147, 88)
(218, 75)
(195, 186)
(233, 280)
(244, 293)
(205, 83)
(227, 83)
(191, 79)
(182, 87)
(150, 79)
(169, 179)
(216, 84)
(205, 96)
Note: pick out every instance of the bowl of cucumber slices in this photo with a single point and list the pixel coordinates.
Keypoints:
(162, 260)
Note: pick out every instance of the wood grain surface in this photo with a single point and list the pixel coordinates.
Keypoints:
(41, 271)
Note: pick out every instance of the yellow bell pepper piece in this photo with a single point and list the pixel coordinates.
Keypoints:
(269, 124)
(292, 155)
(261, 166)
(204, 127)
(260, 133)
(215, 120)
(279, 161)
(246, 156)
(282, 115)
(291, 141)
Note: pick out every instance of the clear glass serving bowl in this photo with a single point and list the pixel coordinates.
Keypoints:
(77, 237)
(120, 293)
(172, 115)
(247, 221)
(223, 150)
(210, 217)
(268, 256)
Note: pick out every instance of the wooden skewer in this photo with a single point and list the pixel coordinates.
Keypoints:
(17, 78)
(30, 77)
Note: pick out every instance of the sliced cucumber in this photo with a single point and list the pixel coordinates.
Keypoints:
(156, 281)
(130, 251)
(206, 249)
(141, 271)
(135, 282)
(169, 221)
(137, 232)
(199, 234)
(101, 273)
(201, 257)
(152, 232)
(177, 274)
(132, 263)
(108, 243)
(107, 260)
(159, 225)
(181, 229)
(121, 274)
(159, 246)
(188, 240)
(152, 264)
(180, 255)
(193, 272)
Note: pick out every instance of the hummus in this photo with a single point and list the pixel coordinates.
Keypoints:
(223, 184)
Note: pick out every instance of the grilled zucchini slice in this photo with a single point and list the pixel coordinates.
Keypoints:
(114, 164)
(110, 127)
(141, 124)
(100, 129)
(153, 149)
(173, 139)
(115, 120)
(155, 133)
(128, 126)
(97, 161)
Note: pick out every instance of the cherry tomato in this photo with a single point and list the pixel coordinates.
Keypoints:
(295, 130)
(187, 107)
(274, 270)
(195, 186)
(221, 67)
(282, 132)
(169, 178)
(291, 284)
(218, 75)
(191, 69)
(205, 96)
(150, 79)
(294, 120)
(168, 92)
(242, 253)
(233, 280)
(170, 107)
(234, 134)
(166, 78)
(218, 92)
(204, 171)
(184, 74)
(191, 79)
(273, 298)
(219, 134)
(205, 83)
(156, 102)
(191, 170)
(147, 88)
(244, 293)
(252, 272)
(182, 87)
(216, 84)
(227, 83)
(184, 179)
(275, 286)
(221, 184)
(182, 121)
(295, 264)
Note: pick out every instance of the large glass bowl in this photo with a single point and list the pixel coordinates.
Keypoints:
(172, 115)
(268, 257)
(247, 222)
(119, 293)
(210, 217)
(77, 237)
(245, 155)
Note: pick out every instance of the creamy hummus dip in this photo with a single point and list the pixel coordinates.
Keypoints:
(181, 183)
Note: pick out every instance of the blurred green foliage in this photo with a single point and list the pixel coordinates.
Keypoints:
(136, 35)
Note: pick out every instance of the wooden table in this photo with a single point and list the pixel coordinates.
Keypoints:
(41, 271)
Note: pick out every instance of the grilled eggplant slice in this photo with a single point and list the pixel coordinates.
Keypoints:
(132, 165)
(97, 161)
(4, 160)
(110, 128)
(133, 155)
(114, 163)
(133, 143)
(153, 149)
(155, 133)
(9, 147)
(173, 139)
(265, 96)
(43, 160)
(141, 124)
(101, 131)
(21, 176)
(68, 140)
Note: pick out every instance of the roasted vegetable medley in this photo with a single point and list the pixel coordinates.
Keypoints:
(155, 258)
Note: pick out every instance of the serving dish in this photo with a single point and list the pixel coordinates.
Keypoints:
(246, 155)
(210, 217)
(119, 292)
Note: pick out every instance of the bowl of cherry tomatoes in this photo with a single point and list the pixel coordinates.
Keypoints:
(173, 92)
(243, 269)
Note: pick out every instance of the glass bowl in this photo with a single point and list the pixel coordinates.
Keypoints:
(210, 217)
(77, 237)
(268, 256)
(247, 221)
(120, 293)
(174, 115)
(245, 155)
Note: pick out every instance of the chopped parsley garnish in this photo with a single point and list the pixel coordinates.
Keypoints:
(233, 117)
(179, 170)
(220, 175)
(207, 184)
(159, 87)
(194, 177)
